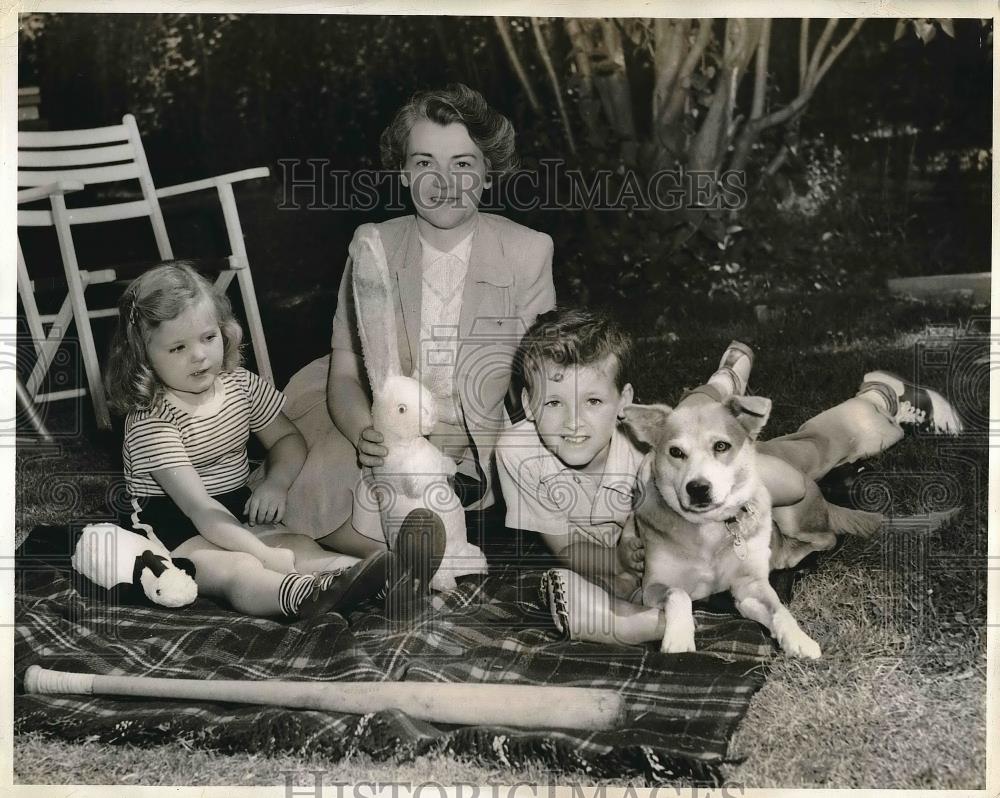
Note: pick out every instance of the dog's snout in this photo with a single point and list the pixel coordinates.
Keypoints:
(699, 491)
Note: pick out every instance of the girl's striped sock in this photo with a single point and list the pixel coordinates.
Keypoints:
(296, 587)
(292, 592)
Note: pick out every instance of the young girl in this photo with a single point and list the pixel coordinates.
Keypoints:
(174, 369)
(466, 286)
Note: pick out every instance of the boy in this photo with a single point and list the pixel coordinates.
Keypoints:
(568, 472)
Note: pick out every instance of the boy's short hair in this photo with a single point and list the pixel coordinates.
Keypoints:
(491, 131)
(573, 337)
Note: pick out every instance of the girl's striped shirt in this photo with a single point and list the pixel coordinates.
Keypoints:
(212, 437)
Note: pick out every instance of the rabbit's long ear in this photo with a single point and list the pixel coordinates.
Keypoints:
(373, 301)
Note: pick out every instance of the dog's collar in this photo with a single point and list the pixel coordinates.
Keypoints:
(748, 509)
(736, 525)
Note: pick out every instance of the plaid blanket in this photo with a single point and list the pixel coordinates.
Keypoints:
(682, 709)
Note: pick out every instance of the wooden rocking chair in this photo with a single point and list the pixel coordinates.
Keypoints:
(53, 163)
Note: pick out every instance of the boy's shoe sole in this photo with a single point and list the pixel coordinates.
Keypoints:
(921, 410)
(357, 584)
(553, 593)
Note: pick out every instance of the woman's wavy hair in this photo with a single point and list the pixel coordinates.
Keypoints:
(491, 131)
(161, 294)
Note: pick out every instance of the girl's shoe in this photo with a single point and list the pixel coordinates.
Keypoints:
(419, 550)
(419, 547)
(341, 591)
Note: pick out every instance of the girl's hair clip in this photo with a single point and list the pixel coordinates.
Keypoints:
(133, 313)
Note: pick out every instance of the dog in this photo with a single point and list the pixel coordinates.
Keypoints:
(704, 516)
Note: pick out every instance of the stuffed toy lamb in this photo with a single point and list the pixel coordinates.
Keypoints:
(415, 473)
(112, 557)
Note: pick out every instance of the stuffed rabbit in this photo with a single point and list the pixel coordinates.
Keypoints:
(415, 473)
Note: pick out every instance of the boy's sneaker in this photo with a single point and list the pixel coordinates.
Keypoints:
(341, 591)
(920, 410)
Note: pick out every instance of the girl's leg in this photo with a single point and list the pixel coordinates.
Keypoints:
(348, 540)
(362, 533)
(243, 581)
(587, 612)
(309, 555)
(239, 578)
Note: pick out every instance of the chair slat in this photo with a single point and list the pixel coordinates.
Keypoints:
(108, 213)
(71, 138)
(97, 174)
(82, 157)
(55, 396)
(88, 215)
(34, 219)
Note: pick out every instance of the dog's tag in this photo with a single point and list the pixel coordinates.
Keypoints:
(734, 527)
(739, 545)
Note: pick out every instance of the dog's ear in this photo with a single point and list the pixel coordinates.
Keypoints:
(751, 412)
(645, 422)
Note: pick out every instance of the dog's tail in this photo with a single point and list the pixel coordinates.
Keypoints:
(859, 523)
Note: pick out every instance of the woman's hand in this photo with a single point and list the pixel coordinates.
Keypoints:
(371, 452)
(266, 504)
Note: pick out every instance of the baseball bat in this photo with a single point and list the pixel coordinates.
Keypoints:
(525, 706)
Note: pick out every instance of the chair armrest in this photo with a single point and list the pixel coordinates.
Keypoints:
(213, 182)
(41, 192)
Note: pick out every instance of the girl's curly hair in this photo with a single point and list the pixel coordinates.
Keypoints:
(491, 131)
(161, 294)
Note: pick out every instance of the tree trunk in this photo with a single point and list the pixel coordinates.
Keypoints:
(751, 131)
(612, 85)
(669, 48)
(675, 60)
(581, 83)
(543, 52)
(515, 62)
(710, 144)
(683, 82)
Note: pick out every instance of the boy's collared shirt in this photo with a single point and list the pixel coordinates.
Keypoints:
(544, 495)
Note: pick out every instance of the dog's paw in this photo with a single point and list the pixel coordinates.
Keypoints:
(678, 641)
(799, 644)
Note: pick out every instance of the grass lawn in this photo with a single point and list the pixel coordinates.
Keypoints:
(898, 699)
